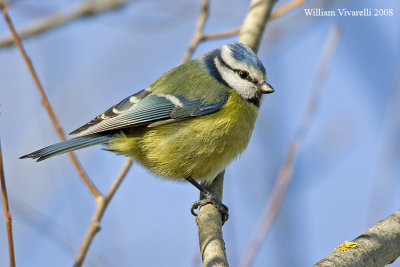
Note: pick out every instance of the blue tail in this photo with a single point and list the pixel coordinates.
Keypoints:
(68, 146)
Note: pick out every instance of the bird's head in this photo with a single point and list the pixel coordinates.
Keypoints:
(240, 68)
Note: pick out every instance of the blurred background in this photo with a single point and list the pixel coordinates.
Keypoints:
(346, 174)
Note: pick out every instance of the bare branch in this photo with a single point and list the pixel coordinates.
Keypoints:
(220, 35)
(7, 213)
(198, 33)
(46, 103)
(199, 36)
(121, 175)
(87, 8)
(378, 246)
(101, 205)
(286, 172)
(279, 12)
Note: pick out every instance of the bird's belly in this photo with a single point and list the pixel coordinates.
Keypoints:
(200, 147)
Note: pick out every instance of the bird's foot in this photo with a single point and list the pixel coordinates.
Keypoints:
(211, 199)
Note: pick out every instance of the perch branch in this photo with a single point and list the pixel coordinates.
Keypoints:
(7, 213)
(274, 202)
(209, 222)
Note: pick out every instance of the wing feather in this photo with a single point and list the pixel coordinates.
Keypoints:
(151, 110)
(115, 110)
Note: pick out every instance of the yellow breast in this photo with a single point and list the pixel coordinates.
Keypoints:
(200, 147)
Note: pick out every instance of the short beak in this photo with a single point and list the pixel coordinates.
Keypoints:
(266, 88)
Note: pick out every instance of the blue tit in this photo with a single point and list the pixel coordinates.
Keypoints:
(189, 124)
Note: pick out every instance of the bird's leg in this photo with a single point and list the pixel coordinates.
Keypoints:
(208, 198)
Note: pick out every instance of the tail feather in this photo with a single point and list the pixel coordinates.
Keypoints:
(68, 146)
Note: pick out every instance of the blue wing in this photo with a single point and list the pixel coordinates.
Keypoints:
(148, 109)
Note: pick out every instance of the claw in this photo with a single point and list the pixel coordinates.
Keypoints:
(211, 199)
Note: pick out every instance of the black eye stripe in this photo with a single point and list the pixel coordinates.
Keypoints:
(248, 76)
(223, 63)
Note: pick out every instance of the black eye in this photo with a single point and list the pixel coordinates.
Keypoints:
(243, 74)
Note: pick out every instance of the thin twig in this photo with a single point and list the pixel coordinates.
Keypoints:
(121, 175)
(274, 202)
(101, 205)
(7, 213)
(46, 103)
(87, 8)
(199, 36)
(277, 13)
(198, 33)
(102, 201)
(220, 35)
(378, 246)
(289, 6)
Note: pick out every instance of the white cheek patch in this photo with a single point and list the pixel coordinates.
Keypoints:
(243, 87)
(173, 99)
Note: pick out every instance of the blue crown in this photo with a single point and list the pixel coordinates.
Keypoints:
(244, 54)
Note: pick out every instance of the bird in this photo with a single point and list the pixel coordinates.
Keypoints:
(189, 124)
